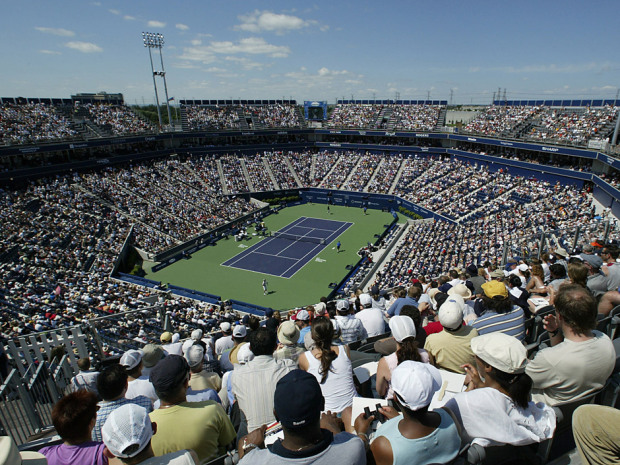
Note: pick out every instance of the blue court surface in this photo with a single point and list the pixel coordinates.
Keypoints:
(285, 256)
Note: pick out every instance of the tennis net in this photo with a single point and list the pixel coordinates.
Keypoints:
(293, 237)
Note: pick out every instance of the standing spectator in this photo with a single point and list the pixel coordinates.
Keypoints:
(253, 384)
(74, 417)
(200, 426)
(580, 358)
(331, 366)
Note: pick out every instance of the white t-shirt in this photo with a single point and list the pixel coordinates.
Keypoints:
(372, 319)
(141, 387)
(224, 343)
(491, 418)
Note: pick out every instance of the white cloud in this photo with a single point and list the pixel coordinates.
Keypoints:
(327, 72)
(246, 63)
(129, 17)
(114, 12)
(259, 21)
(181, 27)
(154, 23)
(215, 69)
(196, 42)
(185, 65)
(56, 31)
(252, 46)
(50, 52)
(84, 47)
(97, 3)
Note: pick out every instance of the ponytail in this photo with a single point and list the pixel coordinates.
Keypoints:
(408, 350)
(322, 333)
(518, 386)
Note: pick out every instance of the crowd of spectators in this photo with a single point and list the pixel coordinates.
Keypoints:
(279, 165)
(572, 127)
(202, 118)
(32, 123)
(496, 120)
(116, 119)
(277, 115)
(385, 174)
(415, 117)
(234, 177)
(258, 173)
(364, 171)
(355, 116)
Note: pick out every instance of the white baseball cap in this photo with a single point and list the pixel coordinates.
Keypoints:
(131, 359)
(415, 383)
(365, 300)
(451, 312)
(501, 351)
(240, 331)
(225, 326)
(127, 430)
(402, 327)
(195, 354)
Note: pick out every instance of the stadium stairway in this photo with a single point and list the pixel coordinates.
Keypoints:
(374, 174)
(220, 170)
(385, 116)
(293, 172)
(441, 119)
(397, 177)
(184, 120)
(270, 173)
(313, 167)
(353, 171)
(244, 168)
(336, 163)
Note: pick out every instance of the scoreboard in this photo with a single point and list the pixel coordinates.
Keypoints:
(314, 110)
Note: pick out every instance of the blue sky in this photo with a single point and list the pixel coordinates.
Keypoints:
(313, 50)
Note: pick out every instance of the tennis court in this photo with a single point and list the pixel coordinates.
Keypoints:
(288, 250)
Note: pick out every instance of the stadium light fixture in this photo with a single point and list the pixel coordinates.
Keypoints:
(156, 40)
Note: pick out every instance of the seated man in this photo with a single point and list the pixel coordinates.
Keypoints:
(200, 426)
(309, 436)
(451, 348)
(580, 359)
(86, 378)
(112, 386)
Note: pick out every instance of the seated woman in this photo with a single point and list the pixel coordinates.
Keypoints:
(417, 436)
(331, 366)
(496, 409)
(74, 419)
(404, 332)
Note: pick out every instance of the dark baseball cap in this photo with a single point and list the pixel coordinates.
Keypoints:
(169, 373)
(298, 400)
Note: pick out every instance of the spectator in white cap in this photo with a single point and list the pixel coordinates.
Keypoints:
(288, 335)
(244, 356)
(229, 357)
(127, 434)
(194, 337)
(138, 384)
(302, 320)
(351, 329)
(371, 317)
(404, 332)
(416, 435)
(201, 379)
(225, 342)
(450, 349)
(496, 409)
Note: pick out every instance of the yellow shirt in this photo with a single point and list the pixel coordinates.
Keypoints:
(452, 349)
(201, 426)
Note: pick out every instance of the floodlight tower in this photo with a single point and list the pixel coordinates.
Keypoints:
(155, 40)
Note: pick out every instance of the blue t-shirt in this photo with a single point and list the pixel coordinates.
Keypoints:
(441, 446)
(302, 334)
(400, 303)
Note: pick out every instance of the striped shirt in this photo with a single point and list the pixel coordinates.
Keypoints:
(511, 323)
(105, 408)
(351, 329)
